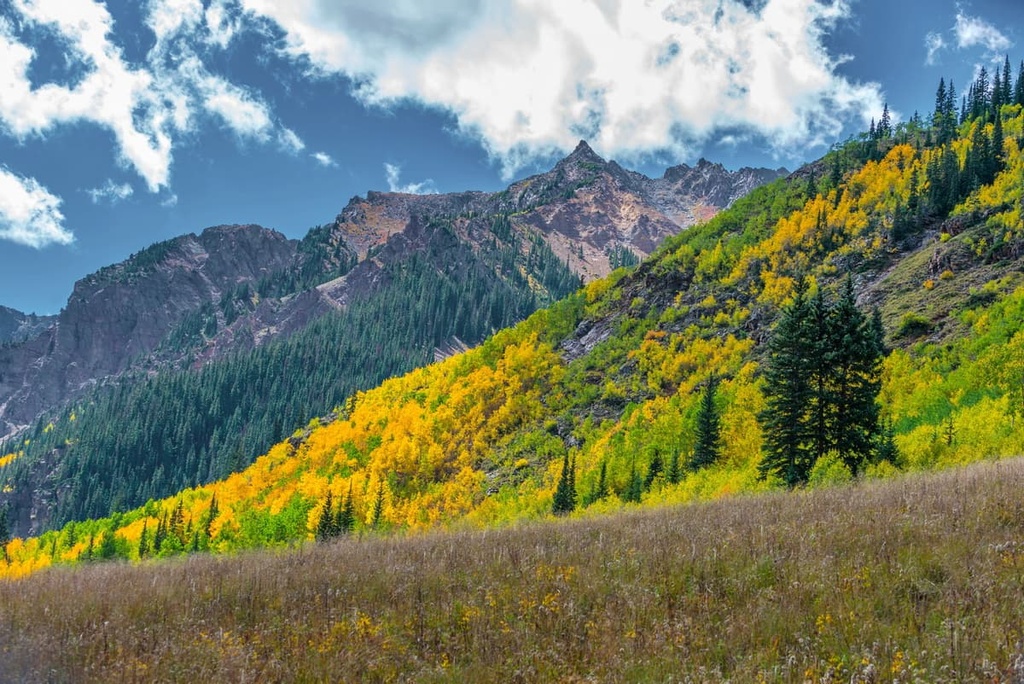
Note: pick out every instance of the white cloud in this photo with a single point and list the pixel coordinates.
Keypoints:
(146, 106)
(324, 159)
(974, 32)
(393, 173)
(111, 94)
(111, 192)
(934, 43)
(242, 112)
(29, 214)
(529, 78)
(290, 141)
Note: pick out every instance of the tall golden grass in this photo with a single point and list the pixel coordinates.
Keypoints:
(917, 579)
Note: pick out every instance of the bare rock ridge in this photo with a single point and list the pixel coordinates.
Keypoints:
(16, 326)
(232, 288)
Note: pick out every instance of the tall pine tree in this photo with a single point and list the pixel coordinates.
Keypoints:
(854, 379)
(822, 380)
(709, 438)
(565, 493)
(787, 395)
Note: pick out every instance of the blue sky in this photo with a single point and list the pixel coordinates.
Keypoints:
(127, 122)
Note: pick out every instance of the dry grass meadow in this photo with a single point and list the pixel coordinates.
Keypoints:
(919, 579)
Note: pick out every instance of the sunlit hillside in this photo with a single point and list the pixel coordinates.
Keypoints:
(924, 218)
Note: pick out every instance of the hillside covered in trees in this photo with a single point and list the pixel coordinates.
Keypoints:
(221, 344)
(654, 385)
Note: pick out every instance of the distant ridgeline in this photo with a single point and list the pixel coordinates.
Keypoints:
(148, 437)
(647, 386)
(207, 349)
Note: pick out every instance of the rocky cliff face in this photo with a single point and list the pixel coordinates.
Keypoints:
(197, 297)
(119, 315)
(16, 326)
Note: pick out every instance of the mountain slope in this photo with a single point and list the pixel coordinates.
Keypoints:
(210, 321)
(16, 326)
(611, 376)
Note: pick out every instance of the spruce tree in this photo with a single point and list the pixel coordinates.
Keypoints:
(787, 395)
(822, 382)
(601, 491)
(1007, 94)
(346, 520)
(654, 469)
(1018, 90)
(325, 527)
(887, 449)
(634, 490)
(708, 447)
(854, 380)
(144, 541)
(565, 495)
(378, 506)
(211, 515)
(674, 472)
(5, 531)
(160, 535)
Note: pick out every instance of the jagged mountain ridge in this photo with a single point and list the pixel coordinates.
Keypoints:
(16, 326)
(130, 316)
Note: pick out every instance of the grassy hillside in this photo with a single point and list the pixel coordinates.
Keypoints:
(611, 378)
(912, 580)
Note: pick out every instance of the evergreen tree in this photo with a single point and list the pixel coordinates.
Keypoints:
(634, 490)
(787, 395)
(1006, 96)
(819, 355)
(654, 469)
(939, 115)
(5, 531)
(378, 506)
(854, 380)
(108, 546)
(565, 495)
(144, 540)
(708, 447)
(601, 488)
(325, 527)
(346, 520)
(177, 522)
(885, 124)
(211, 515)
(160, 535)
(822, 377)
(887, 449)
(674, 472)
(1018, 90)
(90, 548)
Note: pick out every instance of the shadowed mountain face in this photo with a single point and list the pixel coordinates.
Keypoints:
(16, 326)
(197, 298)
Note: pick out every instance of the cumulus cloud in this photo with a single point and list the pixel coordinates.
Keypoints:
(976, 32)
(324, 159)
(147, 105)
(111, 192)
(529, 78)
(393, 173)
(29, 214)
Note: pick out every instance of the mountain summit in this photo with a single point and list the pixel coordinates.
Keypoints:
(413, 277)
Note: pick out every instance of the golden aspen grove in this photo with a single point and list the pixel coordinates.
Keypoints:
(611, 376)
